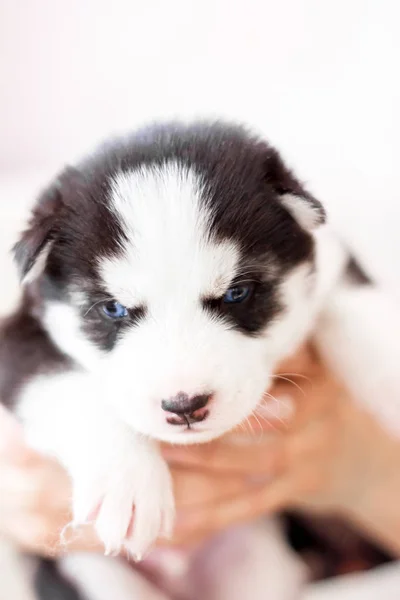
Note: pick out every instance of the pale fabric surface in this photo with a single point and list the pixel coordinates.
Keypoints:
(316, 78)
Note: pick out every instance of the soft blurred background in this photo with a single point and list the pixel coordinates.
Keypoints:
(319, 79)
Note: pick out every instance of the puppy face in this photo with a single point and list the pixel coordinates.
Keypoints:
(176, 267)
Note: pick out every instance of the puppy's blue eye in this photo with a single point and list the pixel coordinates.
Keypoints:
(114, 310)
(237, 294)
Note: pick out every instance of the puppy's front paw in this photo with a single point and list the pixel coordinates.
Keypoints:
(154, 511)
(130, 501)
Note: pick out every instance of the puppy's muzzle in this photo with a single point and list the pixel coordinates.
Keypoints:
(185, 410)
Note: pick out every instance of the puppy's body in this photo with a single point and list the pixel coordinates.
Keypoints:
(175, 267)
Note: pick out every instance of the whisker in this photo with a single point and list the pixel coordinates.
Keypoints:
(263, 407)
(296, 385)
(248, 423)
(264, 418)
(296, 375)
(259, 424)
(95, 304)
(243, 426)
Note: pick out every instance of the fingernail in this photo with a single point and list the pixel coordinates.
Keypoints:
(281, 407)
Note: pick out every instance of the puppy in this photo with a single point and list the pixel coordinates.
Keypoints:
(165, 276)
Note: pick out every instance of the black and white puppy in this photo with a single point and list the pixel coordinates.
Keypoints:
(165, 276)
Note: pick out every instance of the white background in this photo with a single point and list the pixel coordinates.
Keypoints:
(320, 79)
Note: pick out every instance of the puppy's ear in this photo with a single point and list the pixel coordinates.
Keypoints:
(32, 249)
(304, 208)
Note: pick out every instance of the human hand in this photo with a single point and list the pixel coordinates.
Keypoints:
(35, 496)
(326, 457)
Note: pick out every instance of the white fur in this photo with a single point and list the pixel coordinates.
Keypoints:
(381, 582)
(111, 467)
(358, 336)
(169, 264)
(165, 213)
(99, 578)
(302, 210)
(97, 421)
(63, 321)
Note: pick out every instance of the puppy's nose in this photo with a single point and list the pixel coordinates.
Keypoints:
(188, 409)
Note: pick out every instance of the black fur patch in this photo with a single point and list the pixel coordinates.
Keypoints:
(356, 273)
(50, 584)
(243, 178)
(26, 350)
(105, 332)
(250, 316)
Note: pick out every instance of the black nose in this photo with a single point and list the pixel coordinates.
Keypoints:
(188, 409)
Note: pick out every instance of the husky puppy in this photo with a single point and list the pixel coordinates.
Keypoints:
(165, 276)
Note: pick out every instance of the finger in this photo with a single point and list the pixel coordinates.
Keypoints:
(194, 488)
(294, 391)
(42, 487)
(192, 525)
(18, 489)
(80, 539)
(310, 445)
(322, 400)
(305, 402)
(309, 387)
(238, 453)
(51, 537)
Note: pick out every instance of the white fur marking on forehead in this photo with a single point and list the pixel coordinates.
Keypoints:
(148, 199)
(165, 213)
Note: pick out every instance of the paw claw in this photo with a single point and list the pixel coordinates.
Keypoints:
(124, 492)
